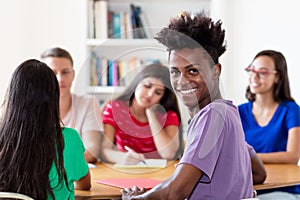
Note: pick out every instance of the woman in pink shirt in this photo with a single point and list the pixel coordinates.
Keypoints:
(144, 121)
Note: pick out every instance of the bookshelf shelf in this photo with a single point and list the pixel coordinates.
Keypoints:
(123, 42)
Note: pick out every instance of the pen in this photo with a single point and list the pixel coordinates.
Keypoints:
(129, 149)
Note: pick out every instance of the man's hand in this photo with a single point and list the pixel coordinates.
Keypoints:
(129, 194)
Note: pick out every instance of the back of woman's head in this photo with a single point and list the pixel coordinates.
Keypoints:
(282, 88)
(34, 90)
(30, 132)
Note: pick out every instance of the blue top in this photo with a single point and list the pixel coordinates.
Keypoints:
(274, 136)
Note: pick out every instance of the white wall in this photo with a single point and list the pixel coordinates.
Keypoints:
(252, 26)
(29, 27)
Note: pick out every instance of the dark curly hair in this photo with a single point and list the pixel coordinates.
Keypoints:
(194, 31)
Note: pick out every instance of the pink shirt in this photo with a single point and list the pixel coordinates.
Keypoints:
(133, 133)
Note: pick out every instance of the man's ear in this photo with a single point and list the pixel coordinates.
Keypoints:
(217, 71)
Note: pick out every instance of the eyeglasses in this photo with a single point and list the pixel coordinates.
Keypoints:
(261, 73)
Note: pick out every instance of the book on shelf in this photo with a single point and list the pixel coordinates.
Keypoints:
(100, 19)
(137, 26)
(116, 25)
(141, 30)
(129, 32)
(91, 19)
(104, 73)
(122, 72)
(99, 71)
(110, 72)
(123, 25)
(133, 22)
(93, 64)
(145, 24)
(110, 30)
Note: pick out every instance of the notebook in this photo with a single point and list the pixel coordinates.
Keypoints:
(149, 163)
(130, 182)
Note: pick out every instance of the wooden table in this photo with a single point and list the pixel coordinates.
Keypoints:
(103, 171)
(280, 175)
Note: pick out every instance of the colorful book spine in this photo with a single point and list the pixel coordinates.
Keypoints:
(116, 25)
(115, 74)
(99, 71)
(104, 74)
(93, 74)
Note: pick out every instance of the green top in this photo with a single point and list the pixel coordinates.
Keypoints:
(74, 163)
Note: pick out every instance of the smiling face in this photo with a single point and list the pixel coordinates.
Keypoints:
(62, 67)
(263, 84)
(149, 92)
(193, 78)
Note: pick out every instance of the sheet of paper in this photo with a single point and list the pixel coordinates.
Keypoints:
(150, 163)
(91, 165)
(130, 182)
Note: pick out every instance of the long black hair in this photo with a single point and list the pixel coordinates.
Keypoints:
(31, 137)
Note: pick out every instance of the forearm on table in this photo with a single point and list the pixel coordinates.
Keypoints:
(167, 147)
(279, 157)
(84, 183)
(113, 156)
(164, 190)
(89, 157)
(92, 142)
(259, 172)
(179, 186)
(166, 144)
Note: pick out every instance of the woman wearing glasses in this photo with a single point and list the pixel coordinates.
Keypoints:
(271, 118)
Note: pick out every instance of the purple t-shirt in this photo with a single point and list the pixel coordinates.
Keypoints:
(216, 145)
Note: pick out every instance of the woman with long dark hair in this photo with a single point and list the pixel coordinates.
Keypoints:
(39, 158)
(144, 121)
(271, 117)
